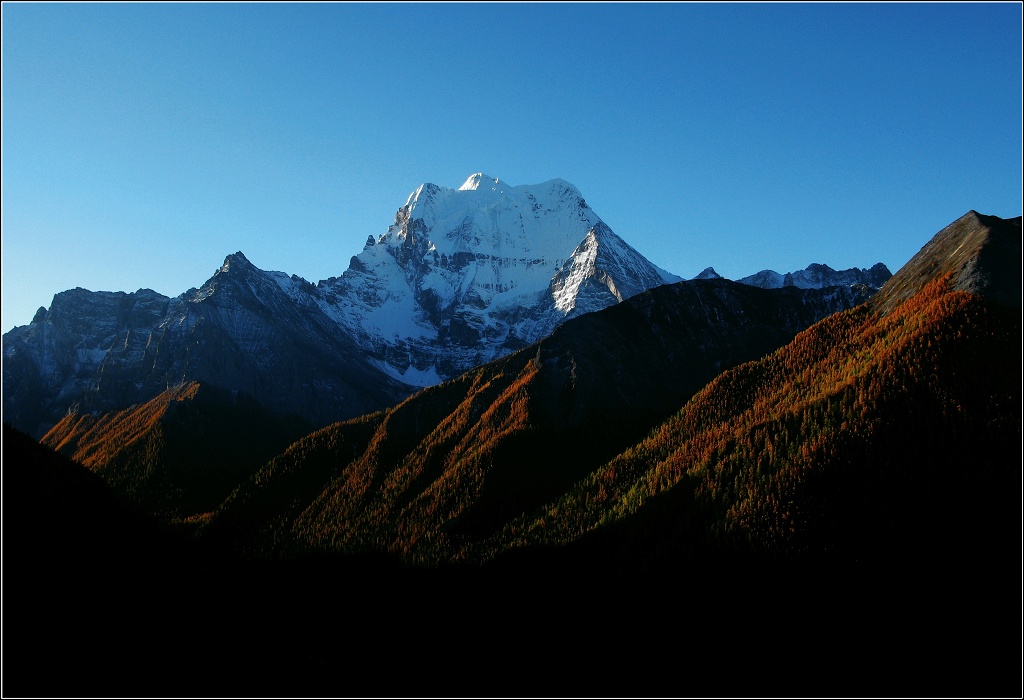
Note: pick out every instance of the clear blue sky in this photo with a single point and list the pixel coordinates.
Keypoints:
(142, 143)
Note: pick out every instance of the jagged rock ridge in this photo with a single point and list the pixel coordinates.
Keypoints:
(818, 276)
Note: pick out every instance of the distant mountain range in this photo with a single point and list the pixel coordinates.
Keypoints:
(815, 276)
(461, 277)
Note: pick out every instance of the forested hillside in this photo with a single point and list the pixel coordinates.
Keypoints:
(870, 439)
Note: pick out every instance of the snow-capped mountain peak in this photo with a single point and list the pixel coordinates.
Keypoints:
(478, 181)
(469, 274)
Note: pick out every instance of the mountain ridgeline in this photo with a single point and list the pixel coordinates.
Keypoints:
(601, 452)
(462, 277)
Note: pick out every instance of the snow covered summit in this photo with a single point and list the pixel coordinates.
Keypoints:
(475, 181)
(464, 276)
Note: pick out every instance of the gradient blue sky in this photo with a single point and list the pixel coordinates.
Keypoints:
(142, 143)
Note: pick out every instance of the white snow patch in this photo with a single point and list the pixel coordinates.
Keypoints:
(475, 181)
(412, 376)
(421, 377)
(90, 356)
(294, 288)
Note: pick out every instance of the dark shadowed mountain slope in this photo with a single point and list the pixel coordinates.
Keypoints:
(80, 572)
(180, 453)
(59, 514)
(458, 460)
(101, 601)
